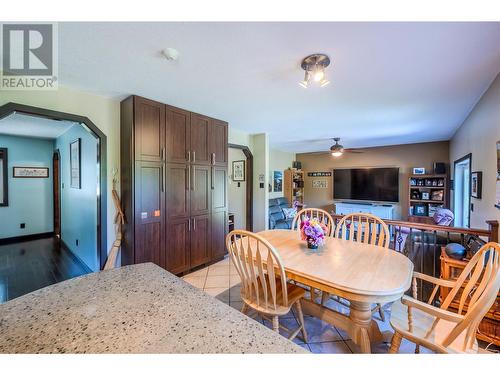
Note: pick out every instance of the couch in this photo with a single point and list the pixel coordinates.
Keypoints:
(277, 219)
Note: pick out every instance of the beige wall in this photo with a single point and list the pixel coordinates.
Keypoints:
(237, 194)
(405, 157)
(103, 112)
(478, 135)
(278, 161)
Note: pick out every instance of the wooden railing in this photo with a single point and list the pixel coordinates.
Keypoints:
(422, 243)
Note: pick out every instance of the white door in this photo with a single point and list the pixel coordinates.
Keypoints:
(461, 201)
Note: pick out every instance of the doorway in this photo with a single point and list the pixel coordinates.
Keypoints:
(461, 194)
(246, 210)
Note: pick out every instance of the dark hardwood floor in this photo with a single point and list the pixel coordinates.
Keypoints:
(31, 265)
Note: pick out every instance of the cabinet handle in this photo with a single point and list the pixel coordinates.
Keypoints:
(212, 177)
(194, 156)
(189, 156)
(163, 153)
(188, 185)
(194, 179)
(162, 171)
(194, 223)
(189, 225)
(213, 158)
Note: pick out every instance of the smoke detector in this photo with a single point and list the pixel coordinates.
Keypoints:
(171, 54)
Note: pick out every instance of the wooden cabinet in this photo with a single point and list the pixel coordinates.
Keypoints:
(173, 185)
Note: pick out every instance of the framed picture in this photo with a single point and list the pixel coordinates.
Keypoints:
(420, 209)
(437, 195)
(239, 170)
(75, 164)
(425, 195)
(278, 181)
(30, 172)
(419, 170)
(476, 184)
(320, 184)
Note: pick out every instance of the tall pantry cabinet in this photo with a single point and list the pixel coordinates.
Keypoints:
(173, 185)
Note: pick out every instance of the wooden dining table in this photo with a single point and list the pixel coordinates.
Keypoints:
(362, 274)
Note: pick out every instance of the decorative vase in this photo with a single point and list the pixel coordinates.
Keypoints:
(311, 245)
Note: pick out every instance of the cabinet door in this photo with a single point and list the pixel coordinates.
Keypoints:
(218, 142)
(219, 188)
(200, 148)
(200, 190)
(177, 245)
(178, 135)
(149, 213)
(178, 191)
(219, 232)
(200, 240)
(149, 129)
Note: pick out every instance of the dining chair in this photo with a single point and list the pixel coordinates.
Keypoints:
(365, 228)
(317, 213)
(438, 328)
(264, 286)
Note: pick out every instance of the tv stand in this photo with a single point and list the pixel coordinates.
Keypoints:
(383, 211)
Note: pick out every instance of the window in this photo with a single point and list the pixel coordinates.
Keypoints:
(4, 188)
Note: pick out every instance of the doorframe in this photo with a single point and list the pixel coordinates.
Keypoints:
(249, 192)
(458, 161)
(9, 108)
(56, 186)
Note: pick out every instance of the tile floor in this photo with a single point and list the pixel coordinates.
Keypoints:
(222, 281)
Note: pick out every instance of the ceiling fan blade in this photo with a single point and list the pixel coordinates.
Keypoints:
(353, 151)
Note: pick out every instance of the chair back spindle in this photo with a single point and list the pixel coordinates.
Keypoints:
(316, 213)
(364, 228)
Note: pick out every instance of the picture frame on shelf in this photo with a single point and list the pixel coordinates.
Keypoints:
(425, 195)
(419, 170)
(420, 209)
(476, 186)
(239, 170)
(437, 195)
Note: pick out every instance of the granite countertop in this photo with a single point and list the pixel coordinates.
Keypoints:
(133, 309)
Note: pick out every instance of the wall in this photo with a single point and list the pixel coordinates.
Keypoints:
(261, 169)
(279, 161)
(403, 156)
(103, 112)
(30, 199)
(478, 135)
(79, 206)
(237, 194)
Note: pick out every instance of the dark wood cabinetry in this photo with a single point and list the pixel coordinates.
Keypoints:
(174, 185)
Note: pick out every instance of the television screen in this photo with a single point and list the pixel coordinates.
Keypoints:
(372, 184)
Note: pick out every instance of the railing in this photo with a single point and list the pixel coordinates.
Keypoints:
(422, 243)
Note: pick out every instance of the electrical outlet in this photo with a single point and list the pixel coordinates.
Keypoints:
(22, 225)
(76, 242)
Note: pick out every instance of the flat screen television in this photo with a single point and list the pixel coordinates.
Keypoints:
(368, 184)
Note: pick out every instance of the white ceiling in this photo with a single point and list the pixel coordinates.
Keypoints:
(391, 83)
(34, 127)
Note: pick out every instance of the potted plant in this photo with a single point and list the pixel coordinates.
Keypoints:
(313, 232)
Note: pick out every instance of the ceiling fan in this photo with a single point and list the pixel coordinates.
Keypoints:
(338, 150)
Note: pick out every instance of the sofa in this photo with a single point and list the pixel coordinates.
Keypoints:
(277, 218)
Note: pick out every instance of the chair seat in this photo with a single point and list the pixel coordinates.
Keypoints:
(294, 294)
(424, 323)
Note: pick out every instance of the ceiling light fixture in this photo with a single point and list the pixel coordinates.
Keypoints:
(314, 66)
(337, 149)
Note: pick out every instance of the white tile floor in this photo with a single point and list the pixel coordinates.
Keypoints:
(222, 281)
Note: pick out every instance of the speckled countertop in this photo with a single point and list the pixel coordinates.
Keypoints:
(133, 309)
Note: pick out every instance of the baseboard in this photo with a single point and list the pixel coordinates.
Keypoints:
(75, 257)
(28, 237)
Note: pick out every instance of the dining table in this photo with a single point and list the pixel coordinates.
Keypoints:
(361, 273)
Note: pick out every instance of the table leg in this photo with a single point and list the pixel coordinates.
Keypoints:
(364, 329)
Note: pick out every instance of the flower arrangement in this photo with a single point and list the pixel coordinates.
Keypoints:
(313, 231)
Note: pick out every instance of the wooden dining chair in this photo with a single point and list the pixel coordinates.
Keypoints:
(365, 228)
(438, 328)
(317, 213)
(264, 286)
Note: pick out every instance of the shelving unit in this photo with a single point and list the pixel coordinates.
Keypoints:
(293, 185)
(426, 194)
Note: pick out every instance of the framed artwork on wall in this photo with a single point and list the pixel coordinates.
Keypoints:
(239, 170)
(278, 181)
(30, 172)
(75, 164)
(476, 185)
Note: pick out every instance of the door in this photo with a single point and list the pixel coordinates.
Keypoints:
(149, 212)
(178, 189)
(149, 130)
(178, 245)
(219, 188)
(199, 134)
(218, 143)
(178, 135)
(200, 240)
(57, 193)
(461, 191)
(200, 190)
(219, 225)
